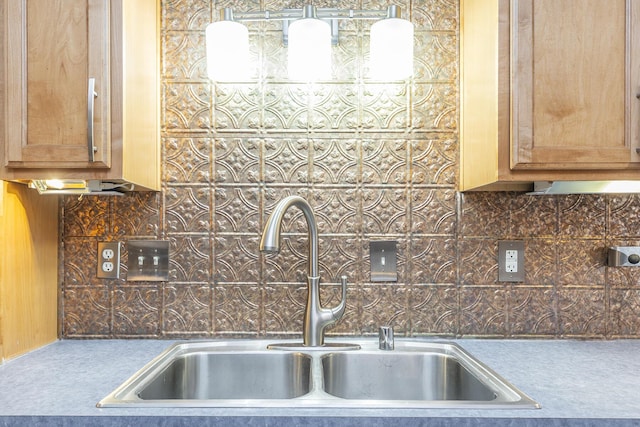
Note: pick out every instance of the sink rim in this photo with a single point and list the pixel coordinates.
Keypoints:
(125, 395)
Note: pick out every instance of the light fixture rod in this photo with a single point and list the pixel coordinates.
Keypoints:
(227, 14)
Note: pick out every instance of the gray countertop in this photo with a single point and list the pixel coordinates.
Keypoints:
(581, 383)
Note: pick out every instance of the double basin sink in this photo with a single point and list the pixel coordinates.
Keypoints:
(250, 373)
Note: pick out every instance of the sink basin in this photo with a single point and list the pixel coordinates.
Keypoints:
(245, 373)
(404, 376)
(220, 375)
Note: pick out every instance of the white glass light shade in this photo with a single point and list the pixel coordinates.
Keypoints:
(227, 51)
(309, 50)
(391, 49)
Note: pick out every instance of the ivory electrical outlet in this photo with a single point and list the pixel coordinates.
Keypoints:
(108, 260)
(511, 261)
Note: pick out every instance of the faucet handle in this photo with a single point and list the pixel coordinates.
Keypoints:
(338, 311)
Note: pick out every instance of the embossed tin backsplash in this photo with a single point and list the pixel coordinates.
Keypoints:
(376, 161)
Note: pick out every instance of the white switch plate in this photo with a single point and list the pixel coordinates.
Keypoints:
(511, 261)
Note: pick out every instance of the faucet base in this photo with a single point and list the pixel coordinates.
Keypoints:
(298, 346)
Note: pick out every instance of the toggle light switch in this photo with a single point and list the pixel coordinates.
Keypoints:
(382, 255)
(148, 260)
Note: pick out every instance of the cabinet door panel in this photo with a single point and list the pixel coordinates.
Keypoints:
(55, 47)
(571, 85)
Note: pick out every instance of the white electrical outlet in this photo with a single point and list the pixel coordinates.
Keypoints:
(511, 261)
(107, 253)
(108, 260)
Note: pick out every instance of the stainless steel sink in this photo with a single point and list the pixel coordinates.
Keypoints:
(406, 376)
(417, 374)
(230, 375)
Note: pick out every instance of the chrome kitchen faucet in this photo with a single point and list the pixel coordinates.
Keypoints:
(316, 318)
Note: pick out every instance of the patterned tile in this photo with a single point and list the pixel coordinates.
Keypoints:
(334, 106)
(236, 108)
(190, 258)
(237, 209)
(433, 260)
(384, 106)
(540, 262)
(236, 259)
(532, 311)
(87, 312)
(337, 210)
(385, 305)
(136, 311)
(581, 312)
(433, 211)
(483, 311)
(434, 310)
(582, 216)
(183, 56)
(138, 214)
(433, 160)
(80, 257)
(384, 161)
(185, 14)
(85, 216)
(187, 209)
(339, 256)
(187, 107)
(284, 307)
(436, 56)
(238, 160)
(533, 216)
(590, 268)
(335, 161)
(187, 160)
(435, 14)
(384, 210)
(287, 160)
(478, 262)
(434, 107)
(187, 310)
(286, 107)
(624, 320)
(485, 214)
(624, 215)
(237, 310)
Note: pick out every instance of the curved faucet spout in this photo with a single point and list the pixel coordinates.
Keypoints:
(270, 241)
(316, 318)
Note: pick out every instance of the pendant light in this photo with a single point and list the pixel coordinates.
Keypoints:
(309, 50)
(391, 48)
(227, 45)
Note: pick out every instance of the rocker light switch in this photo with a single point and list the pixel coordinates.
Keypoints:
(383, 261)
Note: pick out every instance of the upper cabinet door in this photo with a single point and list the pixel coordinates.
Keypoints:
(57, 82)
(574, 84)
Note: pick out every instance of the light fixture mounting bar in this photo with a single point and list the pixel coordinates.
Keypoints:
(328, 14)
(227, 14)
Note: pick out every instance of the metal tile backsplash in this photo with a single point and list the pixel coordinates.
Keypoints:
(376, 161)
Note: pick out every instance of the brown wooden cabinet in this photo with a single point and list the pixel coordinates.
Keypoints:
(548, 91)
(80, 90)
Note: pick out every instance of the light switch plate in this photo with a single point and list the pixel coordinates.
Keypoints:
(511, 261)
(384, 263)
(148, 260)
